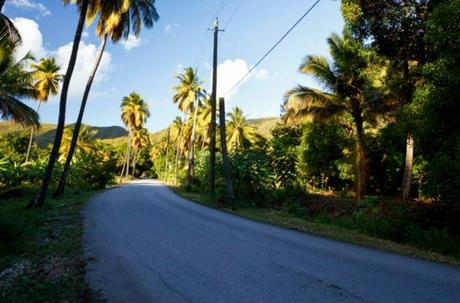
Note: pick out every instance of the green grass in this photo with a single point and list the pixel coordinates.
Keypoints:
(325, 227)
(41, 249)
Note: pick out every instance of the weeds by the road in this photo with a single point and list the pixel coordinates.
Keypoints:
(41, 249)
(424, 244)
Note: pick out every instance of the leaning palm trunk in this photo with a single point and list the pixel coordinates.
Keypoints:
(73, 144)
(179, 142)
(39, 198)
(128, 155)
(407, 179)
(191, 157)
(135, 154)
(32, 135)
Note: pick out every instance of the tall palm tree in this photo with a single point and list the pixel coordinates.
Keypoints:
(204, 121)
(115, 20)
(240, 134)
(15, 84)
(139, 140)
(39, 198)
(7, 29)
(47, 80)
(134, 113)
(347, 91)
(187, 95)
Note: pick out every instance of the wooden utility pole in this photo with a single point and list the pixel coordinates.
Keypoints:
(223, 142)
(212, 145)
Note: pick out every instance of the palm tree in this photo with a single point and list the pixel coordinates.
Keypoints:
(39, 198)
(204, 121)
(85, 143)
(47, 80)
(240, 133)
(187, 95)
(15, 84)
(347, 90)
(139, 140)
(134, 113)
(115, 19)
(7, 29)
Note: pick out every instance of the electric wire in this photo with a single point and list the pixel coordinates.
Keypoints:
(272, 48)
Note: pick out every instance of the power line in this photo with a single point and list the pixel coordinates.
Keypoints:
(273, 47)
(233, 14)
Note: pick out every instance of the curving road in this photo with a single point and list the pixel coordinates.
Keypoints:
(149, 245)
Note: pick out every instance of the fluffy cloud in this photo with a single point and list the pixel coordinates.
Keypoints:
(131, 42)
(86, 57)
(231, 71)
(29, 4)
(32, 39)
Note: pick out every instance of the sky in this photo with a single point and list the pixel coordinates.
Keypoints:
(148, 64)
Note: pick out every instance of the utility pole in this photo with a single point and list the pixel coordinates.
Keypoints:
(223, 142)
(212, 145)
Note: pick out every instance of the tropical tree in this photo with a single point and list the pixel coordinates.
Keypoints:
(7, 29)
(140, 139)
(396, 30)
(85, 143)
(347, 91)
(15, 84)
(134, 113)
(240, 134)
(188, 95)
(115, 21)
(39, 198)
(46, 76)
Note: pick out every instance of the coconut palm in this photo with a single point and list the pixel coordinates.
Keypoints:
(140, 139)
(134, 113)
(85, 143)
(347, 91)
(39, 198)
(46, 76)
(187, 95)
(240, 133)
(15, 84)
(115, 20)
(7, 29)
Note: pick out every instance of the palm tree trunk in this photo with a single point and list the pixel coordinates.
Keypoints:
(204, 139)
(128, 154)
(407, 179)
(191, 157)
(73, 144)
(32, 135)
(361, 159)
(166, 157)
(39, 198)
(223, 142)
(178, 147)
(135, 154)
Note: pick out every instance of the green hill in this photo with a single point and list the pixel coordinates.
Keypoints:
(45, 135)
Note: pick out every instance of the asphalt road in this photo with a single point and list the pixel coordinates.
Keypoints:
(149, 245)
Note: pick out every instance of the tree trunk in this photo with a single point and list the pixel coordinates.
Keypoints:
(361, 159)
(165, 177)
(128, 154)
(32, 135)
(191, 158)
(204, 139)
(2, 2)
(223, 142)
(178, 146)
(39, 198)
(135, 154)
(76, 131)
(407, 179)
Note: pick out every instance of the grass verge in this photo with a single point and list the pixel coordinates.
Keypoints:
(41, 254)
(283, 218)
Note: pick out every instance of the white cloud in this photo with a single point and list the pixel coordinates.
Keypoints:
(29, 4)
(131, 42)
(230, 72)
(32, 39)
(85, 35)
(85, 61)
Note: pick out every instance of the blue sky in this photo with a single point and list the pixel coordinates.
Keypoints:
(180, 39)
